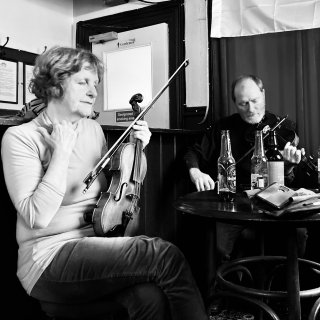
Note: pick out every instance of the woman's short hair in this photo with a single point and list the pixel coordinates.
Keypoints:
(242, 78)
(57, 64)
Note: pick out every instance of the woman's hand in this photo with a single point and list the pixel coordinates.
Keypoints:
(62, 138)
(141, 131)
(201, 180)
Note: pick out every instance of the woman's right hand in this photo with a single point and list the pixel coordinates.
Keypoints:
(62, 139)
(201, 180)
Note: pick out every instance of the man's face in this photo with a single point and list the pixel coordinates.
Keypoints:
(250, 101)
(80, 92)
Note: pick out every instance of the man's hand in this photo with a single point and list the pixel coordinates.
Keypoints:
(201, 180)
(292, 154)
(141, 131)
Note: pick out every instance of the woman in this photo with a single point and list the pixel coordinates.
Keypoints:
(45, 161)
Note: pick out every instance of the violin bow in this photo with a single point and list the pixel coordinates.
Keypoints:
(89, 179)
(266, 131)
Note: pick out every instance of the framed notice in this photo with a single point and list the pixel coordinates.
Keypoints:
(8, 81)
(27, 75)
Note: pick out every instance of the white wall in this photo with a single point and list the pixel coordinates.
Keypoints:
(34, 24)
(86, 10)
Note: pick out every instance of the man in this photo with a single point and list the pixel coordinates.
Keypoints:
(248, 95)
(45, 161)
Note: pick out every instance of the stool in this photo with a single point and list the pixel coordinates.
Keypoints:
(315, 311)
(100, 309)
(256, 296)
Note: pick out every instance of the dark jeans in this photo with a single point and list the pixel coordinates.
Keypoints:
(91, 268)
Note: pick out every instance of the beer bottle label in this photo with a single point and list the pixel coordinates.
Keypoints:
(276, 171)
(259, 181)
(231, 178)
(227, 178)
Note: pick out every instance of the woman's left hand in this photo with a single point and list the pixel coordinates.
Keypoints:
(141, 131)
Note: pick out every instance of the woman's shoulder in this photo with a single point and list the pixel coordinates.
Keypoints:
(90, 124)
(21, 130)
(22, 137)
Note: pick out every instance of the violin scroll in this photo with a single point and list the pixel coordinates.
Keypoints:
(135, 99)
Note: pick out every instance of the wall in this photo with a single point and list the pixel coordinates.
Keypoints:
(39, 24)
(86, 10)
(33, 25)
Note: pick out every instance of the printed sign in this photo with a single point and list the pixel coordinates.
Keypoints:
(124, 116)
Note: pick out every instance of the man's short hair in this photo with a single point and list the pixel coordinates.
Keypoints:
(242, 78)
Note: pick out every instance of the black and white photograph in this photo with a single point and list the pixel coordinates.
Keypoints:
(160, 159)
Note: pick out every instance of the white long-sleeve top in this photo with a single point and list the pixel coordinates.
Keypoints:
(47, 216)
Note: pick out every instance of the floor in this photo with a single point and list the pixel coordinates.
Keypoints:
(237, 312)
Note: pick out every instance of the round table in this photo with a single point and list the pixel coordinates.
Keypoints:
(244, 211)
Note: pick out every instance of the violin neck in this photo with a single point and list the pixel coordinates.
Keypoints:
(309, 163)
(137, 160)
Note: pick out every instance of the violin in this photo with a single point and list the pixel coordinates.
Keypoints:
(285, 134)
(308, 162)
(127, 162)
(120, 203)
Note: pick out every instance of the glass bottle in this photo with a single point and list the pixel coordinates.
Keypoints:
(259, 164)
(275, 160)
(226, 169)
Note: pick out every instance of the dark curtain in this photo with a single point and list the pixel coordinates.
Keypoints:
(288, 64)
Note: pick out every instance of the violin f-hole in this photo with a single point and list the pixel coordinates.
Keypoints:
(120, 193)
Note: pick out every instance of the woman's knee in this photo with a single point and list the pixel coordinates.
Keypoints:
(165, 250)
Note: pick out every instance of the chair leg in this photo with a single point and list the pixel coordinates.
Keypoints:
(315, 311)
